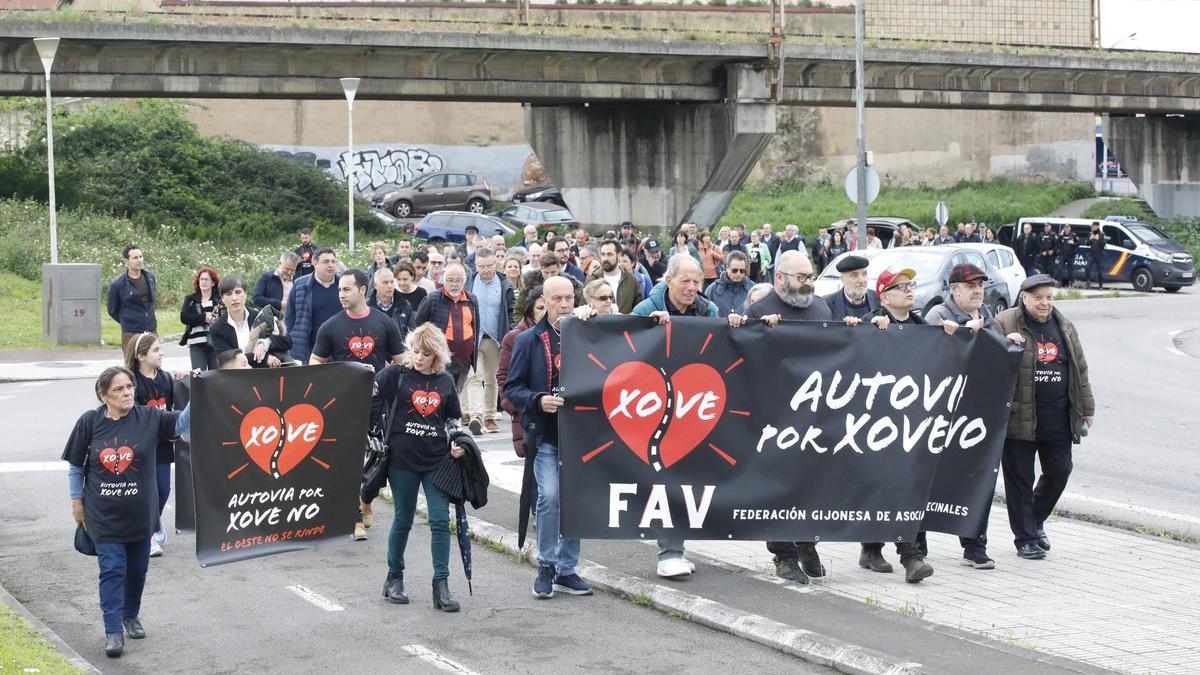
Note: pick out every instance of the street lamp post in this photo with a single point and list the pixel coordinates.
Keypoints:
(47, 47)
(860, 229)
(350, 87)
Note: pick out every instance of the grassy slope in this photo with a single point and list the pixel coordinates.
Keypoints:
(24, 650)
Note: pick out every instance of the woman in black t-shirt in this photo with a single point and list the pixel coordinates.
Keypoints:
(424, 399)
(155, 388)
(114, 497)
(406, 285)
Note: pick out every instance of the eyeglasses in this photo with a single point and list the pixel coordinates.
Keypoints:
(800, 276)
(904, 286)
(606, 298)
(736, 271)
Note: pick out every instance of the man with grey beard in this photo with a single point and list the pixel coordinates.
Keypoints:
(792, 300)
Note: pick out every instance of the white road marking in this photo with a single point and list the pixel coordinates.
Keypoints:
(23, 467)
(1136, 509)
(318, 600)
(41, 383)
(1175, 351)
(1173, 333)
(1171, 347)
(437, 660)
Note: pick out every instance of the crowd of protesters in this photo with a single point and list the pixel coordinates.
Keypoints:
(476, 326)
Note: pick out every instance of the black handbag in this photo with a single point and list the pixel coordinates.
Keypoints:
(375, 463)
(83, 541)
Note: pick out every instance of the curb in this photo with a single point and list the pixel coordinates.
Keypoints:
(59, 645)
(813, 647)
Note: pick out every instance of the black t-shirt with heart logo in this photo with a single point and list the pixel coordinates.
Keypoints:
(372, 338)
(1051, 379)
(417, 439)
(158, 392)
(550, 431)
(120, 499)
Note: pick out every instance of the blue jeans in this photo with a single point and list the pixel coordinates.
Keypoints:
(163, 474)
(404, 492)
(562, 554)
(122, 577)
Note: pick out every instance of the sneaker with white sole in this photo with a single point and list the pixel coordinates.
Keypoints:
(672, 568)
(155, 548)
(360, 532)
(160, 536)
(572, 584)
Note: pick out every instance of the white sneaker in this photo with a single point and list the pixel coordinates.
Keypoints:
(160, 536)
(691, 565)
(155, 548)
(674, 567)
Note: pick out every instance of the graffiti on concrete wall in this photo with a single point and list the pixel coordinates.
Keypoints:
(374, 168)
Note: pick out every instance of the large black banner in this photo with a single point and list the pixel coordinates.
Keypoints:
(805, 431)
(277, 458)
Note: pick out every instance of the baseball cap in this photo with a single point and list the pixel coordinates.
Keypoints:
(651, 245)
(889, 278)
(966, 272)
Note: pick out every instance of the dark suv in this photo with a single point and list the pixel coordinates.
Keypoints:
(437, 191)
(451, 226)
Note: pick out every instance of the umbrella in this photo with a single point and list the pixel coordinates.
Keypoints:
(464, 541)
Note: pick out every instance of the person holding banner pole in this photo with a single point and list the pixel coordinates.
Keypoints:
(678, 295)
(1052, 408)
(792, 299)
(114, 496)
(533, 388)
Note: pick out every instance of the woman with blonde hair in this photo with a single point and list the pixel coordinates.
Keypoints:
(424, 400)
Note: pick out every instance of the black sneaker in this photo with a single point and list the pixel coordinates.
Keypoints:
(543, 586)
(790, 569)
(978, 559)
(476, 426)
(1043, 541)
(1031, 552)
(810, 561)
(572, 584)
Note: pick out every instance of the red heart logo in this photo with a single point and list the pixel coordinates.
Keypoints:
(116, 460)
(663, 423)
(426, 402)
(160, 402)
(1047, 352)
(361, 346)
(278, 445)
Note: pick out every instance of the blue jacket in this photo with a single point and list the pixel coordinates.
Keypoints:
(729, 296)
(657, 302)
(298, 317)
(126, 308)
(268, 290)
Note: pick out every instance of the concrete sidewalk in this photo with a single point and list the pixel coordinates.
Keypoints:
(49, 364)
(1104, 597)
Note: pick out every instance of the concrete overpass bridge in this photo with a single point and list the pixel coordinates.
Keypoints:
(653, 131)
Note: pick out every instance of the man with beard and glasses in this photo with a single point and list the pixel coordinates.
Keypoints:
(792, 300)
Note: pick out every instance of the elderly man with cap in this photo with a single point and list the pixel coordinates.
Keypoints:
(896, 288)
(1052, 408)
(853, 302)
(965, 307)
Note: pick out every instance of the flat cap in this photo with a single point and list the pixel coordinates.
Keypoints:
(1037, 281)
(851, 263)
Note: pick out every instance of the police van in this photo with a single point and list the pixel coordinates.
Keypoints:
(1136, 252)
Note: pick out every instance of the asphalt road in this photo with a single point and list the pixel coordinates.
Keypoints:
(1141, 461)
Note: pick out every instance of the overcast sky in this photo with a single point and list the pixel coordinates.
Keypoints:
(1161, 25)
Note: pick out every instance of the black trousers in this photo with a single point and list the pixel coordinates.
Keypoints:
(906, 549)
(789, 550)
(1029, 505)
(1093, 263)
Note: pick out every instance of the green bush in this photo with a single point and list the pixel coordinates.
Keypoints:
(816, 205)
(147, 162)
(88, 237)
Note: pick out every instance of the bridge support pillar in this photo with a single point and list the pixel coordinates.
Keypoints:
(656, 165)
(1161, 155)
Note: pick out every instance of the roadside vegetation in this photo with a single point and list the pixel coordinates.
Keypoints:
(810, 206)
(24, 650)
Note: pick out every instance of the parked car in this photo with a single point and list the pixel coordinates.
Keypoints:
(544, 193)
(1113, 168)
(1135, 252)
(438, 191)
(1004, 259)
(546, 216)
(392, 222)
(451, 226)
(932, 265)
(884, 227)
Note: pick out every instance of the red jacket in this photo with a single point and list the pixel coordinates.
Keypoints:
(506, 349)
